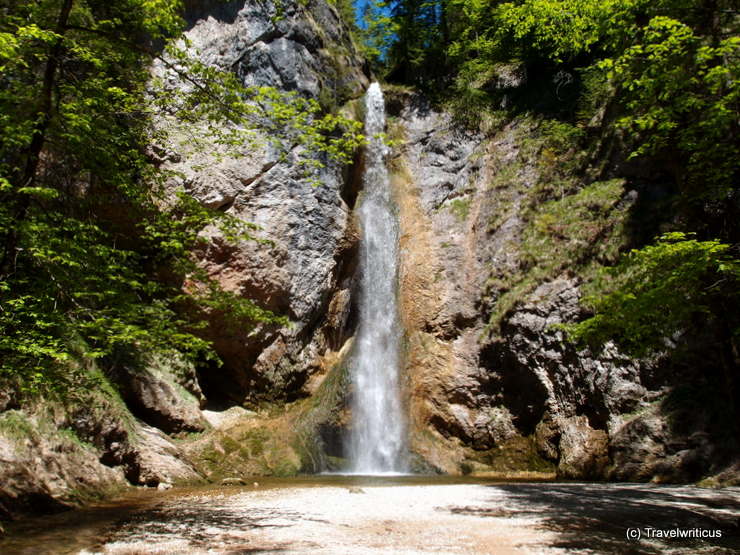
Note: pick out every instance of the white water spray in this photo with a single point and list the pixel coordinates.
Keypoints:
(377, 443)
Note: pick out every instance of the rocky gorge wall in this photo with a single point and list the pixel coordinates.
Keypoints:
(304, 272)
(495, 247)
(493, 259)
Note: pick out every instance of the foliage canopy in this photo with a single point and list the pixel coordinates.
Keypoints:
(94, 250)
(658, 290)
(662, 77)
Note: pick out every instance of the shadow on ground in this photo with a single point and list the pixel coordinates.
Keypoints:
(595, 518)
(202, 523)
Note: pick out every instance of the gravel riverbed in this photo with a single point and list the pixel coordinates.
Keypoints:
(374, 518)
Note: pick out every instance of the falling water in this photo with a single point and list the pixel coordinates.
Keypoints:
(378, 430)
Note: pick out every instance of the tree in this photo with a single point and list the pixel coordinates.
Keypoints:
(377, 31)
(417, 51)
(95, 251)
(660, 292)
(657, 291)
(681, 95)
(669, 74)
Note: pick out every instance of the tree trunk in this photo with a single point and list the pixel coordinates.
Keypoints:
(43, 118)
(44, 112)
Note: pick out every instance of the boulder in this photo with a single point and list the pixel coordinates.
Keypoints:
(44, 470)
(583, 451)
(155, 460)
(153, 394)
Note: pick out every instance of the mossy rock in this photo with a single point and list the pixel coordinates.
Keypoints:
(321, 419)
(517, 454)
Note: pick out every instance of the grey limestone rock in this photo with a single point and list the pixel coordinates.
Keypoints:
(583, 450)
(480, 387)
(305, 48)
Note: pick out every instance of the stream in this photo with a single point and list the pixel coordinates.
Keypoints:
(399, 515)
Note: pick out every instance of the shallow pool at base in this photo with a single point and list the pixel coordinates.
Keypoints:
(336, 514)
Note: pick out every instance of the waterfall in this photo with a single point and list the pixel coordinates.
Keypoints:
(378, 430)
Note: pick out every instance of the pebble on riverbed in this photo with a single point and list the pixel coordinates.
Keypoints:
(233, 482)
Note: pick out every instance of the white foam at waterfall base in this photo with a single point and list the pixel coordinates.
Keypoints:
(377, 439)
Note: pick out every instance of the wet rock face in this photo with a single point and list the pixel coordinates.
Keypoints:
(475, 387)
(292, 46)
(442, 274)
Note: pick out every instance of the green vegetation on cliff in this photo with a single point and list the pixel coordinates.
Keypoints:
(651, 94)
(95, 251)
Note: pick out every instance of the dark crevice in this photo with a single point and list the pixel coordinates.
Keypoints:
(220, 10)
(514, 385)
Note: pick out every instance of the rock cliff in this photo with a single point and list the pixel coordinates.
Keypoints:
(493, 259)
(304, 270)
